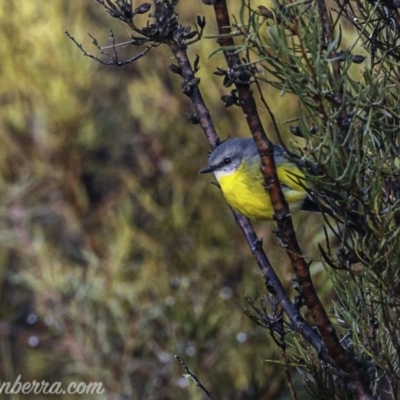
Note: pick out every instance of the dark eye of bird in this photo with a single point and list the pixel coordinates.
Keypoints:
(227, 160)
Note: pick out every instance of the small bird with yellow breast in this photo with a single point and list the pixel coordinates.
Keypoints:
(236, 165)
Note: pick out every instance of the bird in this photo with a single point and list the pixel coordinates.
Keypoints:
(236, 166)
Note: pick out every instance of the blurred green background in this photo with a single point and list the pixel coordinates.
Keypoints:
(115, 254)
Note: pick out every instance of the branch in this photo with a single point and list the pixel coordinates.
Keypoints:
(191, 89)
(273, 284)
(282, 213)
(190, 375)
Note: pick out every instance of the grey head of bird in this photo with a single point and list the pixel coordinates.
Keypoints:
(227, 157)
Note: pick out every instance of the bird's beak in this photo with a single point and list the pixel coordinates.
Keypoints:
(206, 170)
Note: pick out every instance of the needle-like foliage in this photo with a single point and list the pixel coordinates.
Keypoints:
(349, 122)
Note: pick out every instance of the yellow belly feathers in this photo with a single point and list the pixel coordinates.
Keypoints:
(246, 194)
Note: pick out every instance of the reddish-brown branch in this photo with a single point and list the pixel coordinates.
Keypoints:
(345, 361)
(271, 279)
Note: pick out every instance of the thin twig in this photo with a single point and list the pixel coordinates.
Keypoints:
(114, 60)
(191, 375)
(288, 377)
